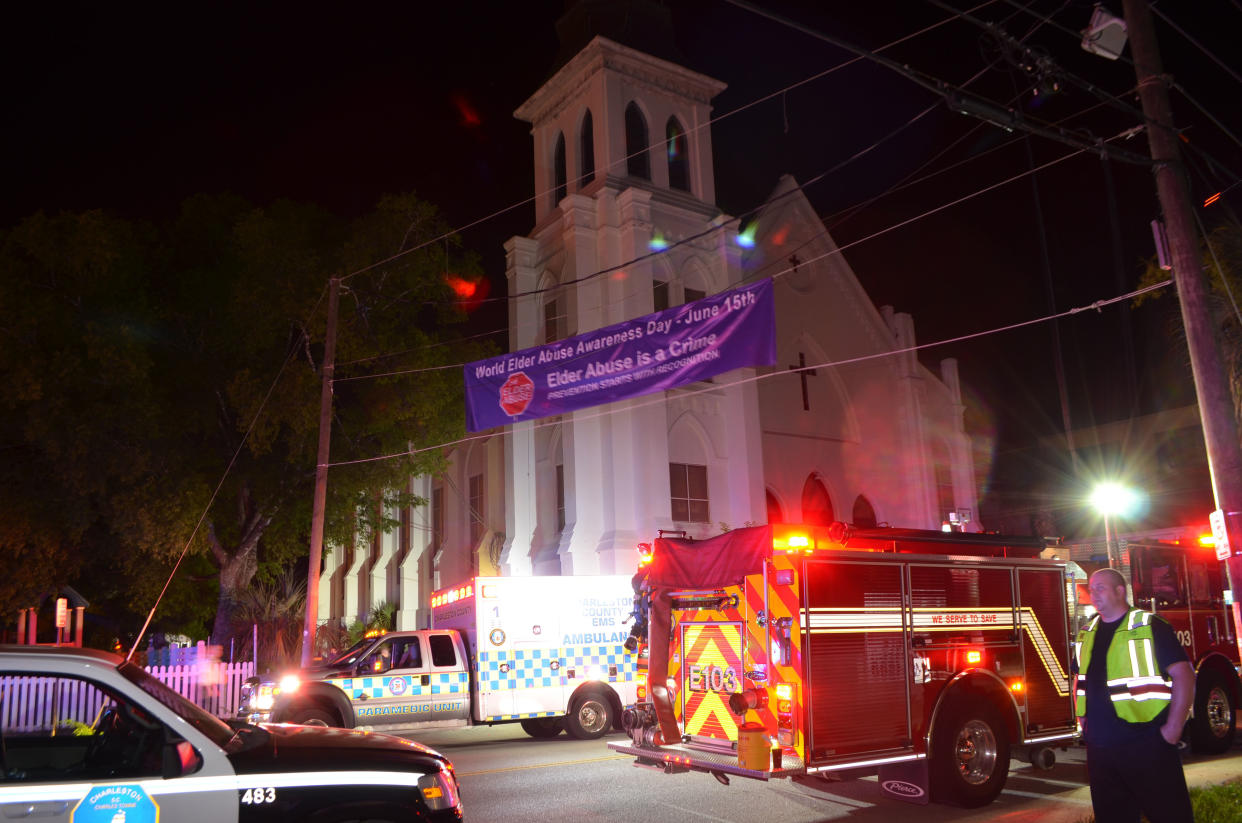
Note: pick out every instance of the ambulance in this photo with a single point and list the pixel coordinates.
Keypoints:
(793, 652)
(546, 652)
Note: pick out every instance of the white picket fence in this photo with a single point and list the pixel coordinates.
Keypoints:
(38, 703)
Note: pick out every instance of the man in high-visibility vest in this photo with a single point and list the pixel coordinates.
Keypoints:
(1135, 687)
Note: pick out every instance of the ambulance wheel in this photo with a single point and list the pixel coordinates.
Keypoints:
(969, 754)
(1211, 729)
(542, 727)
(590, 716)
(312, 716)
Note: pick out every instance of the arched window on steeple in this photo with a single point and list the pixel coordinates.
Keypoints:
(560, 189)
(586, 151)
(636, 162)
(678, 150)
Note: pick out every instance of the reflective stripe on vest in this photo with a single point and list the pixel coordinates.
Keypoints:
(1138, 691)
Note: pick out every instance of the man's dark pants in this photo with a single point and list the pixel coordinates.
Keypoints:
(1144, 777)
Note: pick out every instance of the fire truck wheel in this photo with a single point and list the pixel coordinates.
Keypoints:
(542, 727)
(312, 716)
(590, 716)
(970, 754)
(1212, 730)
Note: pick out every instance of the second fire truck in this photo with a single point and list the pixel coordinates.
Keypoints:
(929, 657)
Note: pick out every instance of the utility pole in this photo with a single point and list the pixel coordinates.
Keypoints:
(1216, 413)
(321, 476)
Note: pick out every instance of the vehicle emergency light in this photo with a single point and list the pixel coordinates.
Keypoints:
(974, 656)
(1207, 541)
(642, 686)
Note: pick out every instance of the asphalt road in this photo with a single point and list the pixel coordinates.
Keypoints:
(508, 776)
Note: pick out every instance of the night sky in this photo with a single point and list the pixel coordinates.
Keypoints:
(134, 108)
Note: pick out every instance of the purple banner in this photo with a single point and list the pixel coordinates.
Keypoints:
(648, 354)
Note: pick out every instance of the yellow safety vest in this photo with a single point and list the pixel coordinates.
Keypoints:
(1138, 690)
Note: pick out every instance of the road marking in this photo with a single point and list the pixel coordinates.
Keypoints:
(546, 765)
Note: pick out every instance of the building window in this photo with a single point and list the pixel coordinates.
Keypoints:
(636, 162)
(775, 513)
(659, 294)
(437, 519)
(694, 294)
(864, 513)
(476, 509)
(560, 499)
(586, 151)
(560, 188)
(816, 504)
(678, 155)
(552, 328)
(688, 486)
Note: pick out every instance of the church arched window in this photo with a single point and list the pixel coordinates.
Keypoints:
(636, 162)
(678, 150)
(775, 513)
(586, 151)
(816, 504)
(560, 188)
(864, 514)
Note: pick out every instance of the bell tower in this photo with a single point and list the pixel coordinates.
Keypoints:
(615, 116)
(625, 207)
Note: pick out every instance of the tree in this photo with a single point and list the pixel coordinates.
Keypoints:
(148, 360)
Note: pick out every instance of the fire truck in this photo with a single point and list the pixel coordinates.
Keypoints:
(783, 651)
(546, 652)
(1182, 581)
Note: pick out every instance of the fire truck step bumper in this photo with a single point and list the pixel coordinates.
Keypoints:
(678, 759)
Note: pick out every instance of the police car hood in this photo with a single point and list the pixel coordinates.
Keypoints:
(316, 748)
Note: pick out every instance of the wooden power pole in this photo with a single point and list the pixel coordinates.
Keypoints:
(1216, 411)
(321, 477)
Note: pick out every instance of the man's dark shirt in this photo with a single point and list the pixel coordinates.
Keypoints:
(1104, 727)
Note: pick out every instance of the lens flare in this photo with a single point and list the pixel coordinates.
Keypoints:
(657, 242)
(468, 113)
(746, 237)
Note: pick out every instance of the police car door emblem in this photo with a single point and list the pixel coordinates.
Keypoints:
(107, 803)
(397, 685)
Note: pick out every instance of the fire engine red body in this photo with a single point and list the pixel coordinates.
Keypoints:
(1184, 583)
(925, 656)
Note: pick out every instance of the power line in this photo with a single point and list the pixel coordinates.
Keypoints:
(1096, 306)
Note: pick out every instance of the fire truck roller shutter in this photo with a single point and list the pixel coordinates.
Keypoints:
(1216, 698)
(968, 755)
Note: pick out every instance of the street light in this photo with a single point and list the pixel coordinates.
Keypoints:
(1113, 499)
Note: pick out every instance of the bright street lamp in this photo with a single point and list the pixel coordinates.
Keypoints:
(1113, 499)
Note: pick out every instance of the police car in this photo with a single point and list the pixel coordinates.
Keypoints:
(88, 738)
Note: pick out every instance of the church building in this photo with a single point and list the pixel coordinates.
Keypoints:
(848, 425)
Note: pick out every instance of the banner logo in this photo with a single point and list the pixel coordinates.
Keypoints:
(516, 394)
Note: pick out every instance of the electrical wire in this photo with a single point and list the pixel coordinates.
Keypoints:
(1156, 11)
(654, 145)
(293, 351)
(580, 416)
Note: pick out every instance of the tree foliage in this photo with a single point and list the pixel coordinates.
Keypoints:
(147, 362)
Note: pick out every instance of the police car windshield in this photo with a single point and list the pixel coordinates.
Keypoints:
(351, 655)
(210, 725)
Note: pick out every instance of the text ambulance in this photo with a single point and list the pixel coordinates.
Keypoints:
(543, 651)
(926, 656)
